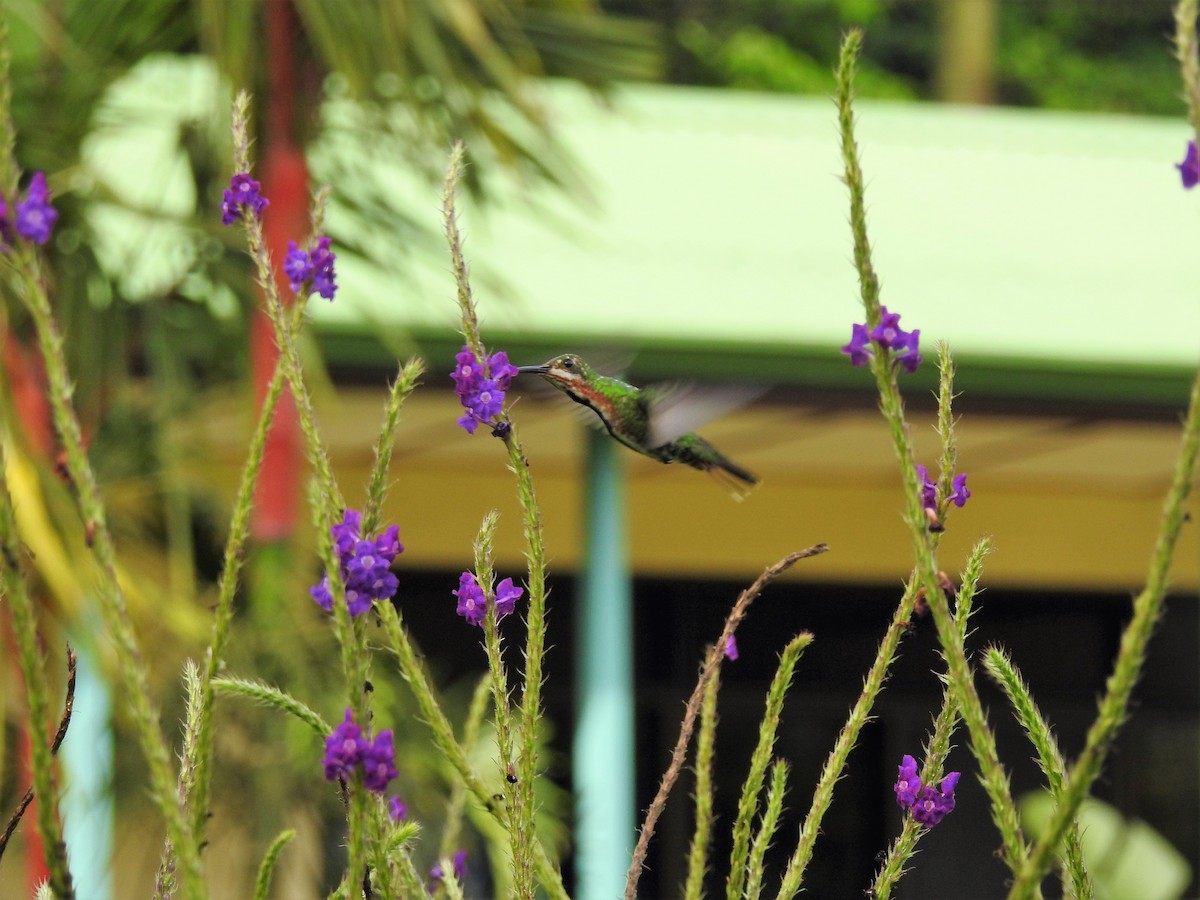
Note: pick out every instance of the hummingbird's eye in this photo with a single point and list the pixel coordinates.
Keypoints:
(568, 363)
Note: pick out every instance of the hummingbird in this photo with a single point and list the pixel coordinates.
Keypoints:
(653, 421)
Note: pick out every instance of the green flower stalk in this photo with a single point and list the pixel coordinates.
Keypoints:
(1049, 757)
(938, 747)
(199, 760)
(432, 714)
(1187, 51)
(1147, 606)
(266, 695)
(767, 826)
(458, 792)
(705, 753)
(524, 811)
(262, 884)
(1114, 707)
(135, 678)
(982, 741)
(45, 786)
(520, 839)
(405, 383)
(831, 772)
(712, 665)
(759, 762)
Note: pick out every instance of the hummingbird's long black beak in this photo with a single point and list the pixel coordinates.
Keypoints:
(532, 370)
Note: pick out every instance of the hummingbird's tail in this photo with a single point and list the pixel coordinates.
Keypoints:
(733, 477)
(695, 451)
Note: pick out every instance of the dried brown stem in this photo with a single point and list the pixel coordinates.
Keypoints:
(63, 723)
(713, 662)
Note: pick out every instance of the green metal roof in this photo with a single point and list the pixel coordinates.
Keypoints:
(1053, 251)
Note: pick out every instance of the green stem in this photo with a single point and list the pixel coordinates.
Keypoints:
(45, 787)
(405, 381)
(1050, 759)
(520, 839)
(767, 827)
(458, 792)
(834, 766)
(134, 674)
(712, 665)
(235, 545)
(760, 760)
(262, 884)
(705, 753)
(1114, 707)
(524, 809)
(443, 737)
(983, 746)
(938, 747)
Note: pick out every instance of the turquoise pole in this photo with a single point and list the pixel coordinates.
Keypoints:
(87, 757)
(603, 750)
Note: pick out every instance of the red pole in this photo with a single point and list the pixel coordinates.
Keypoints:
(285, 182)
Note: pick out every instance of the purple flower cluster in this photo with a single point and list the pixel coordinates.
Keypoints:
(35, 215)
(364, 564)
(348, 747)
(437, 874)
(243, 193)
(1189, 169)
(888, 335)
(311, 270)
(472, 601)
(959, 492)
(929, 805)
(481, 386)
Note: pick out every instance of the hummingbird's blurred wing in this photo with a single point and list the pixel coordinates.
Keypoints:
(680, 407)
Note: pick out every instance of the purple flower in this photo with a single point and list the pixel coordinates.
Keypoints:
(859, 348)
(472, 605)
(908, 785)
(731, 650)
(311, 268)
(960, 493)
(1189, 169)
(487, 401)
(468, 372)
(459, 865)
(365, 565)
(481, 386)
(379, 762)
(472, 600)
(507, 595)
(243, 193)
(906, 351)
(345, 534)
(344, 748)
(928, 488)
(888, 332)
(889, 336)
(322, 259)
(933, 804)
(397, 808)
(296, 267)
(35, 217)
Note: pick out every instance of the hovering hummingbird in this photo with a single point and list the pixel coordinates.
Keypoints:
(655, 422)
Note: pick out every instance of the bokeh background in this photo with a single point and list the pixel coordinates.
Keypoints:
(653, 184)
